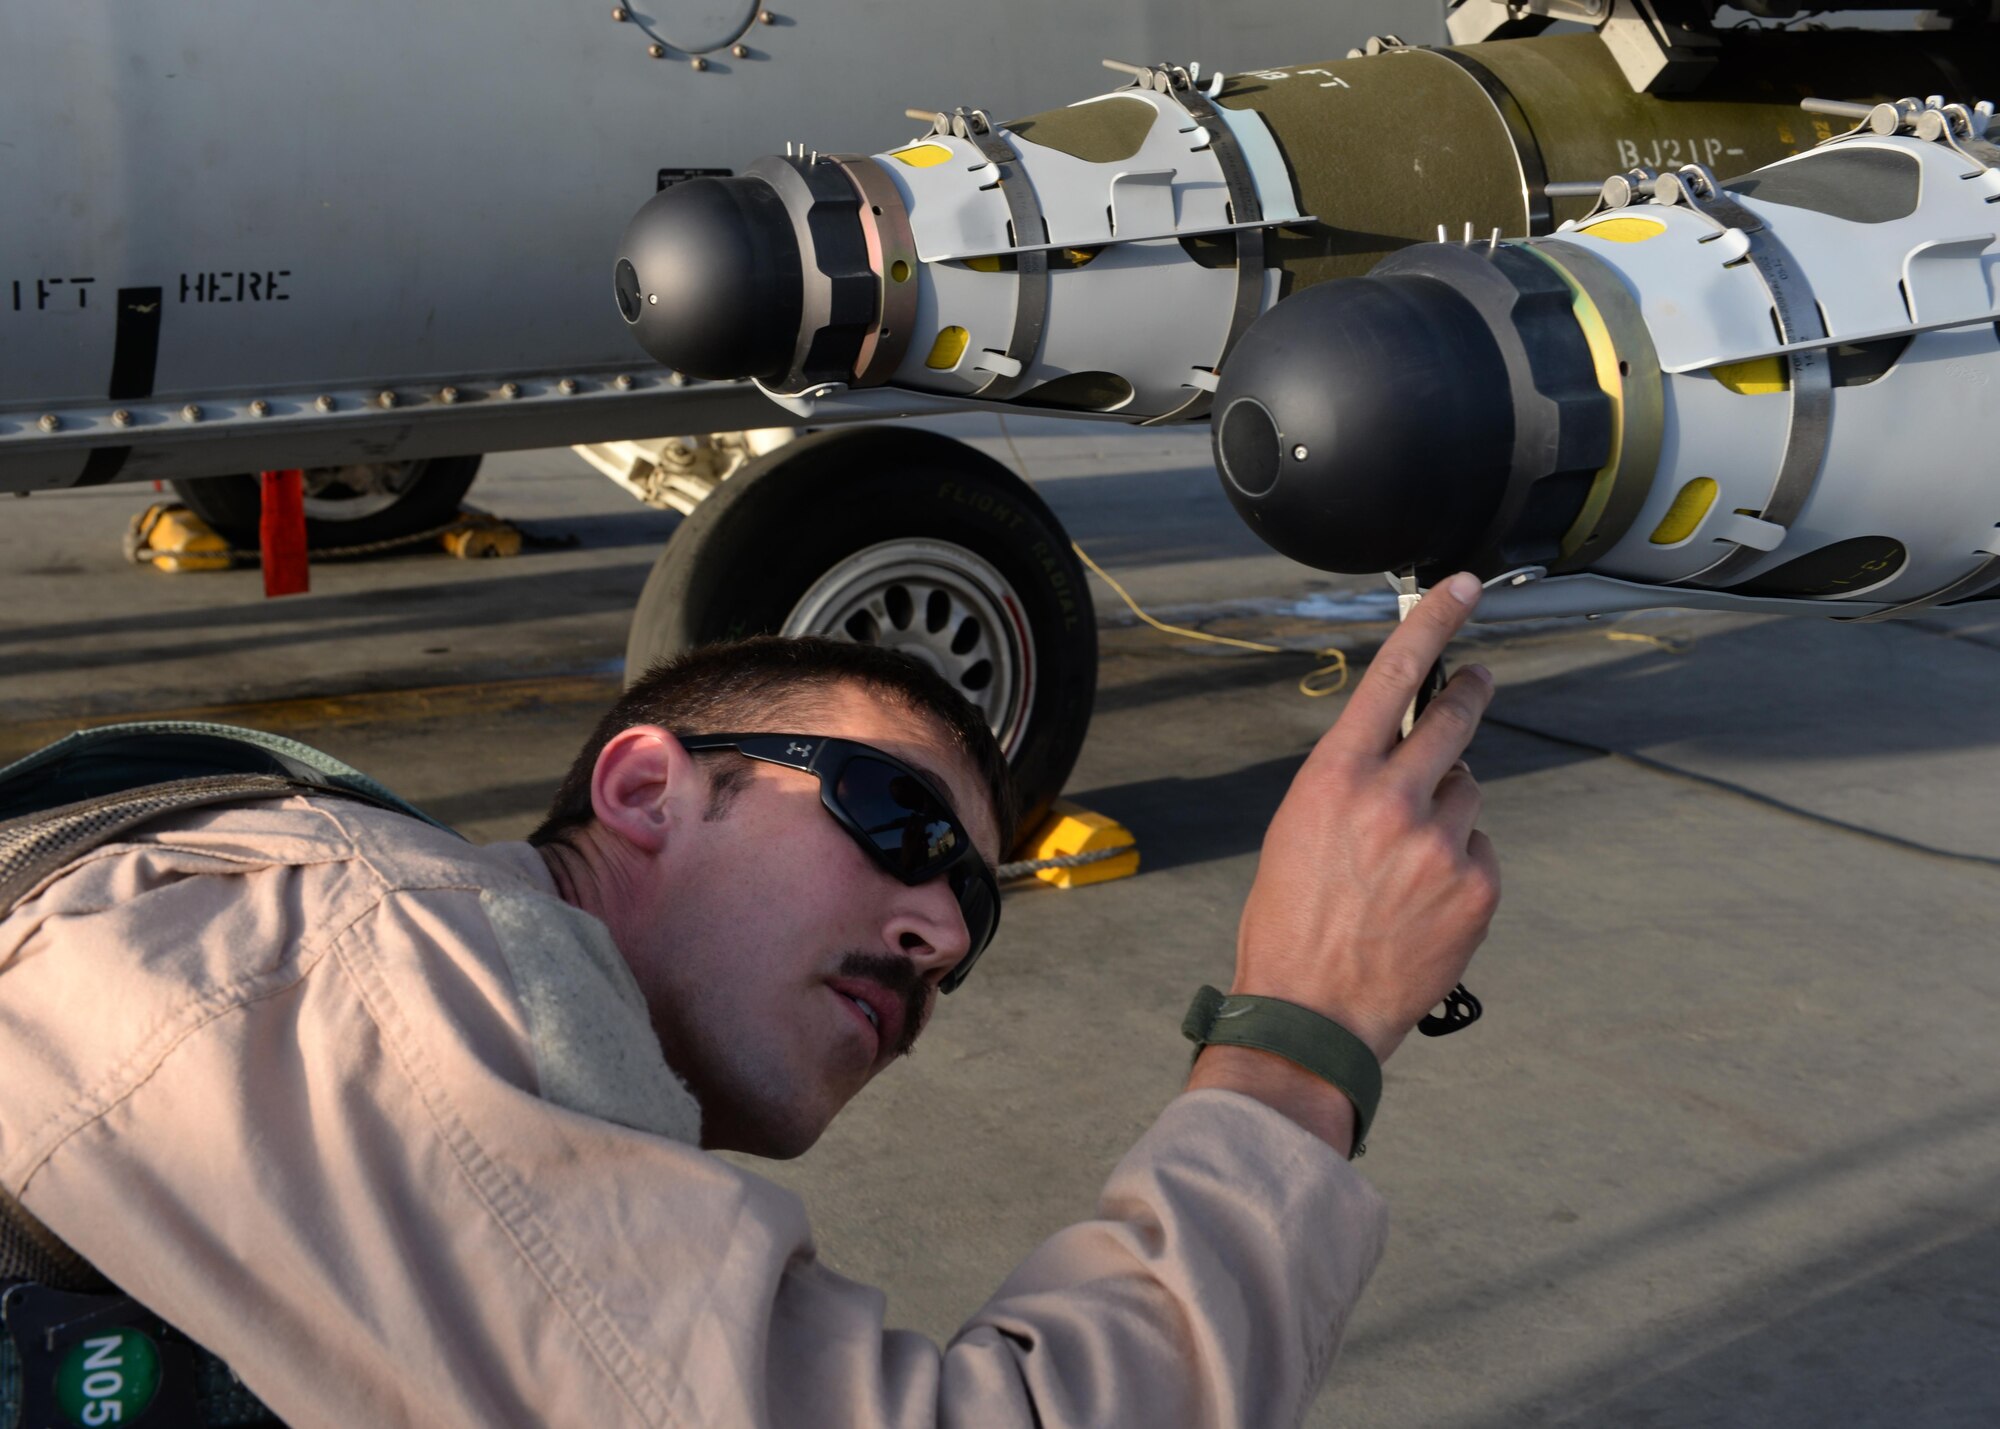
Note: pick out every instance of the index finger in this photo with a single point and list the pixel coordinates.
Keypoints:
(1373, 718)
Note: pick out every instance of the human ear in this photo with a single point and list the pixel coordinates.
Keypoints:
(643, 785)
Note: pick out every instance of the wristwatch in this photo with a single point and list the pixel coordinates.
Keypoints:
(1299, 1035)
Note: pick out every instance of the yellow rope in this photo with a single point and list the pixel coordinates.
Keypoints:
(1308, 686)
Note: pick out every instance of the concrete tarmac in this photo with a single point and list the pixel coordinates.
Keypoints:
(1725, 1149)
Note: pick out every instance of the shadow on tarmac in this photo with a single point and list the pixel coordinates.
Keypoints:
(1871, 1333)
(1860, 692)
(1227, 675)
(1838, 739)
(1182, 821)
(1889, 1349)
(603, 531)
(415, 610)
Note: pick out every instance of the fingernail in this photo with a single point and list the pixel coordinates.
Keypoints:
(1464, 588)
(1478, 672)
(1463, 767)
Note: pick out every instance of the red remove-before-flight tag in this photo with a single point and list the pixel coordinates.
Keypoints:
(281, 533)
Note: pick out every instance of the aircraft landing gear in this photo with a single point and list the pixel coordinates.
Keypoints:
(345, 505)
(899, 538)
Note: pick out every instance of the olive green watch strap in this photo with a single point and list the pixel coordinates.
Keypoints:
(1319, 1044)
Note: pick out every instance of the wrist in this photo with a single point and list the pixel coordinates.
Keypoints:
(1288, 1089)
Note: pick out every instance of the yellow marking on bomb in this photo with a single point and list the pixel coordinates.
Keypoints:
(1626, 230)
(1757, 375)
(1684, 517)
(984, 263)
(948, 349)
(922, 156)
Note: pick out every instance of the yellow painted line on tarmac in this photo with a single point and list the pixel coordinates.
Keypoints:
(323, 712)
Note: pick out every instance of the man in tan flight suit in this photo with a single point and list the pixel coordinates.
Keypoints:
(412, 1132)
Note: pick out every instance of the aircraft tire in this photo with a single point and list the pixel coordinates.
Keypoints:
(903, 538)
(400, 500)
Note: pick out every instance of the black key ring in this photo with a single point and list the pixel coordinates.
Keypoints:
(1460, 1008)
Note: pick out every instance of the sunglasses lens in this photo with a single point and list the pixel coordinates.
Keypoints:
(915, 835)
(979, 900)
(910, 830)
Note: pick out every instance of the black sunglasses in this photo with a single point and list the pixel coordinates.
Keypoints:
(896, 814)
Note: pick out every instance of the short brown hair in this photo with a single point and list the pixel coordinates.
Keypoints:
(772, 682)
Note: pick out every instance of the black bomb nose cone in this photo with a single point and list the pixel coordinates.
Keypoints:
(1366, 424)
(709, 278)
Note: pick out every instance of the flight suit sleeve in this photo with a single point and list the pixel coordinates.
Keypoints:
(341, 1171)
(1229, 1249)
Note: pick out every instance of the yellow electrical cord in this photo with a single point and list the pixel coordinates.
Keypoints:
(1307, 683)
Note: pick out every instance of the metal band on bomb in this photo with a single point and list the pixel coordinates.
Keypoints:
(1245, 204)
(1026, 227)
(1797, 317)
(1535, 195)
(892, 256)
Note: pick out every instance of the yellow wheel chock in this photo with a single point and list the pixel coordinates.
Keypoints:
(1075, 846)
(173, 539)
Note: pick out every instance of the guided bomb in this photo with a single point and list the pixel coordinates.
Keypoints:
(1103, 258)
(1772, 393)
(1110, 259)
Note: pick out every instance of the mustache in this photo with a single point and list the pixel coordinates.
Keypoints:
(905, 984)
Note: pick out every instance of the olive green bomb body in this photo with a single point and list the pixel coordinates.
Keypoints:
(1383, 149)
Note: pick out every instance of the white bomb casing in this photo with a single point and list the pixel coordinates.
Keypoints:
(1883, 421)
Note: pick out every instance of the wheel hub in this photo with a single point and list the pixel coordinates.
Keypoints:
(351, 493)
(942, 605)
